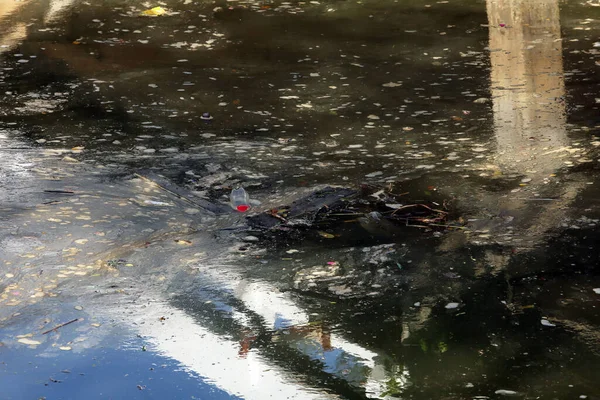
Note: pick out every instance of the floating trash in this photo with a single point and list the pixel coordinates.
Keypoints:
(240, 201)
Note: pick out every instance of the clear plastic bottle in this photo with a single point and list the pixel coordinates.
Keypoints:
(239, 199)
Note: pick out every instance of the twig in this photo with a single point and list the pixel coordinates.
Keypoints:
(398, 195)
(419, 205)
(275, 215)
(450, 226)
(60, 326)
(171, 192)
(539, 199)
(59, 191)
(346, 214)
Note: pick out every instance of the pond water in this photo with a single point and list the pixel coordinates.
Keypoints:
(111, 287)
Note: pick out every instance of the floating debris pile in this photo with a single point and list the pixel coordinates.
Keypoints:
(328, 211)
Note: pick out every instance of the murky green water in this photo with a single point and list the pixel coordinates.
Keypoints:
(488, 109)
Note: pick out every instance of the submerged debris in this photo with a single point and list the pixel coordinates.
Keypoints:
(167, 186)
(369, 273)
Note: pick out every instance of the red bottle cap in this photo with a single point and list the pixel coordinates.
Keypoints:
(243, 207)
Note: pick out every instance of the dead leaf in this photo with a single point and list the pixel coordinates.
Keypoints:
(154, 12)
(326, 235)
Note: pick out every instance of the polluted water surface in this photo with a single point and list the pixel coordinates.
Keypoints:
(419, 210)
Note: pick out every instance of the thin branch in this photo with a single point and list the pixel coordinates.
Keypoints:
(60, 326)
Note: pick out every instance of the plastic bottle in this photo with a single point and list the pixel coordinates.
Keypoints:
(240, 201)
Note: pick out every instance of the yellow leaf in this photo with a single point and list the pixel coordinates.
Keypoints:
(153, 12)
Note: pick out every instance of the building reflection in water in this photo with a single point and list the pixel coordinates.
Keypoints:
(529, 115)
(527, 83)
(13, 26)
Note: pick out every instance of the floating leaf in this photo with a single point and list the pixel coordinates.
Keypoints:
(505, 392)
(154, 12)
(326, 235)
(28, 342)
(442, 347)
